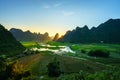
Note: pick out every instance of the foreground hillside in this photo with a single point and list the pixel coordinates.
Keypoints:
(40, 61)
(8, 44)
(38, 65)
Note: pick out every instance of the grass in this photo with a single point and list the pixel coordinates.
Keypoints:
(69, 62)
(30, 44)
(114, 48)
(110, 47)
(28, 61)
(114, 59)
(35, 44)
(55, 43)
(106, 61)
(37, 64)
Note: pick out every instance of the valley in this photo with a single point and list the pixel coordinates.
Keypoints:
(69, 62)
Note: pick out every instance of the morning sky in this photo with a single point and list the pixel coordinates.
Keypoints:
(56, 16)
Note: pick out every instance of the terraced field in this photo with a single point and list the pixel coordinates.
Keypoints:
(71, 62)
(37, 63)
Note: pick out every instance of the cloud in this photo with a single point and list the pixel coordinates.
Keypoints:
(57, 4)
(68, 13)
(46, 6)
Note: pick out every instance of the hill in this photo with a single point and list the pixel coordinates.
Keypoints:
(107, 32)
(29, 36)
(8, 44)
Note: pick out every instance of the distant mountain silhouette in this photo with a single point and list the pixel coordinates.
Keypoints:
(56, 37)
(8, 44)
(107, 32)
(29, 36)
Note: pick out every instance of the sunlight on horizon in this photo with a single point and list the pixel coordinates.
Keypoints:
(56, 16)
(51, 31)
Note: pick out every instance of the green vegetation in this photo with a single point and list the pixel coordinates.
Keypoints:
(41, 65)
(83, 51)
(30, 44)
(30, 61)
(54, 68)
(12, 70)
(71, 67)
(8, 44)
(75, 47)
(109, 47)
(99, 53)
(53, 43)
(109, 74)
(38, 64)
(107, 32)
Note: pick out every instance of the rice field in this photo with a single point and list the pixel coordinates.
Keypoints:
(70, 62)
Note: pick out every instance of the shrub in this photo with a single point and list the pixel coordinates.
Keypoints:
(26, 73)
(83, 51)
(108, 74)
(13, 71)
(74, 76)
(3, 65)
(54, 69)
(75, 47)
(99, 53)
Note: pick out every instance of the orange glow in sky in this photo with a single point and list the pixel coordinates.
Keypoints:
(56, 16)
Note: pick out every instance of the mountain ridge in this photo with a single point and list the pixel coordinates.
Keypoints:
(29, 36)
(107, 32)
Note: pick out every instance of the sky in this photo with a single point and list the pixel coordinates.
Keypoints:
(56, 16)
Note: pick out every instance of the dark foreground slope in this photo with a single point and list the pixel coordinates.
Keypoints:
(8, 44)
(107, 32)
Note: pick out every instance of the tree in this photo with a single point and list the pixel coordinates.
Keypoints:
(8, 44)
(99, 53)
(12, 71)
(53, 68)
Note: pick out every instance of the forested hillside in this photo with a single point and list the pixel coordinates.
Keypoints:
(8, 44)
(107, 32)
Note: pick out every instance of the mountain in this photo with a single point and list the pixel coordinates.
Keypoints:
(29, 36)
(56, 37)
(107, 32)
(8, 44)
